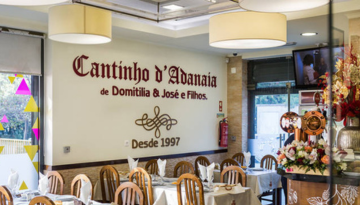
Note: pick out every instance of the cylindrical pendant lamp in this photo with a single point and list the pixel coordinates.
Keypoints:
(31, 2)
(247, 30)
(79, 24)
(280, 5)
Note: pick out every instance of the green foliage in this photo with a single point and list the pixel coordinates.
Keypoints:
(13, 107)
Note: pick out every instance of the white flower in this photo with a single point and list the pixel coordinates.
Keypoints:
(335, 149)
(327, 151)
(295, 143)
(284, 161)
(343, 166)
(299, 147)
(336, 157)
(302, 154)
(313, 156)
(321, 142)
(290, 154)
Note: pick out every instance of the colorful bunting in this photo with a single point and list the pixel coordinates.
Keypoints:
(19, 76)
(23, 186)
(1, 127)
(23, 89)
(1, 148)
(36, 132)
(4, 119)
(31, 150)
(36, 165)
(31, 106)
(36, 124)
(11, 79)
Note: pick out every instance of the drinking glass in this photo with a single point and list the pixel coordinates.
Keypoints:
(210, 182)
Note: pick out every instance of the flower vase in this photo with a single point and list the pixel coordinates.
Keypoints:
(349, 136)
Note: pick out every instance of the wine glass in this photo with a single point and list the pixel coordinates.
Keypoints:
(210, 181)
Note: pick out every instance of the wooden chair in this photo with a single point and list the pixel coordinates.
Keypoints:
(41, 200)
(56, 180)
(189, 181)
(138, 175)
(234, 174)
(5, 196)
(203, 161)
(182, 168)
(76, 185)
(152, 167)
(132, 194)
(109, 176)
(269, 161)
(228, 162)
(239, 157)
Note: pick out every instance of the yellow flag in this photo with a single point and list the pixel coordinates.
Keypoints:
(36, 165)
(1, 127)
(36, 124)
(31, 106)
(19, 76)
(23, 186)
(1, 148)
(11, 79)
(31, 150)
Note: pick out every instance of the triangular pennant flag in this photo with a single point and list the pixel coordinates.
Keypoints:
(1, 148)
(11, 79)
(31, 106)
(23, 186)
(23, 89)
(4, 119)
(36, 165)
(31, 150)
(36, 132)
(36, 124)
(19, 76)
(1, 127)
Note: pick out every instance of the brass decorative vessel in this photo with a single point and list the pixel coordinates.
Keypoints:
(349, 136)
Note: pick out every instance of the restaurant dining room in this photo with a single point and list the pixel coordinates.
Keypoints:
(179, 102)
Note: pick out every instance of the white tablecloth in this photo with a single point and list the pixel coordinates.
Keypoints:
(258, 181)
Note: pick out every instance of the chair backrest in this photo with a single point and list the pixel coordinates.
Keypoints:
(41, 200)
(189, 180)
(182, 168)
(203, 161)
(239, 157)
(228, 162)
(269, 160)
(76, 185)
(152, 167)
(56, 182)
(5, 196)
(138, 176)
(110, 181)
(131, 193)
(234, 175)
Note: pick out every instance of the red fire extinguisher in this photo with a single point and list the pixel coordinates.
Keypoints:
(223, 131)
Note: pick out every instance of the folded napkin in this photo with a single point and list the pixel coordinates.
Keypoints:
(43, 184)
(13, 179)
(85, 191)
(132, 163)
(203, 174)
(229, 189)
(210, 172)
(247, 156)
(161, 167)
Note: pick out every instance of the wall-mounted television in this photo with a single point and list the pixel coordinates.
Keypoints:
(310, 64)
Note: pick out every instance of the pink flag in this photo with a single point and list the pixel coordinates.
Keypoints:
(4, 119)
(23, 89)
(36, 132)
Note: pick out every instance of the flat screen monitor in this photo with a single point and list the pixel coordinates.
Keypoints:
(310, 64)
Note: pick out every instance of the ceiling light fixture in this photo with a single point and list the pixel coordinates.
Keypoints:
(280, 5)
(247, 30)
(172, 7)
(31, 3)
(309, 34)
(78, 24)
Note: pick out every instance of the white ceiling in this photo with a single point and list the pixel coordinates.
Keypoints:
(192, 33)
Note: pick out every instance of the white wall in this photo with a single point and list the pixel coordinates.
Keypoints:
(96, 126)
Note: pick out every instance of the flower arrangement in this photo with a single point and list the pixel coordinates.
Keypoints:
(310, 156)
(345, 85)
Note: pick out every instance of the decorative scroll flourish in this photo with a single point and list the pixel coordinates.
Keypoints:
(344, 195)
(156, 122)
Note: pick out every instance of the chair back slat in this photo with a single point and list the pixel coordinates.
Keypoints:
(190, 181)
(269, 161)
(152, 167)
(56, 180)
(234, 175)
(109, 176)
(127, 193)
(228, 162)
(76, 185)
(5, 196)
(203, 161)
(139, 176)
(239, 157)
(41, 200)
(182, 168)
